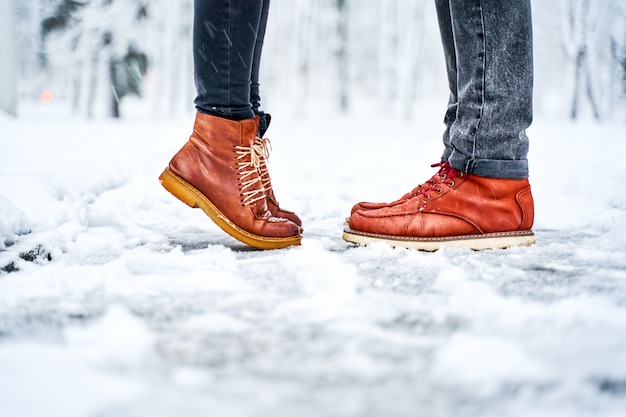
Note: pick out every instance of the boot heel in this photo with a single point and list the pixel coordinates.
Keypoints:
(172, 183)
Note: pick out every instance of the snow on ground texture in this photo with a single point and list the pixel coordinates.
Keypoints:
(118, 300)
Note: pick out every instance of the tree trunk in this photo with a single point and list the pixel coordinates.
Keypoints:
(578, 70)
(8, 58)
(93, 83)
(590, 94)
(343, 74)
(114, 104)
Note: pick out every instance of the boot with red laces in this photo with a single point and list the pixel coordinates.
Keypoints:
(264, 144)
(454, 209)
(217, 170)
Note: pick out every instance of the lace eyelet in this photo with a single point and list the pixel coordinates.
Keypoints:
(439, 190)
(451, 184)
(427, 197)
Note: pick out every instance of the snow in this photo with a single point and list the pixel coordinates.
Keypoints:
(118, 300)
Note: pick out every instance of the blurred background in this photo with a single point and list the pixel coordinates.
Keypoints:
(124, 58)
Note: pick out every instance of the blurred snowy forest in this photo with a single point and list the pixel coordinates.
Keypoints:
(94, 56)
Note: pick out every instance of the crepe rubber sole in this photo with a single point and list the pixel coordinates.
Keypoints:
(476, 242)
(189, 195)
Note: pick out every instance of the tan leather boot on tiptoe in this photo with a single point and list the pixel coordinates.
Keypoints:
(456, 210)
(217, 170)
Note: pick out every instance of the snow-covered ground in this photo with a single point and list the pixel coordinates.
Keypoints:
(116, 300)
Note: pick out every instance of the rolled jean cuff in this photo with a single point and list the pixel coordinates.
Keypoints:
(490, 168)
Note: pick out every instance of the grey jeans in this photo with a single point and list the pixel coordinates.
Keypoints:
(488, 52)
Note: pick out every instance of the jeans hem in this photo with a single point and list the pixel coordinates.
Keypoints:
(491, 168)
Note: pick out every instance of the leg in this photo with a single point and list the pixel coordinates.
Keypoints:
(480, 198)
(493, 42)
(219, 169)
(224, 39)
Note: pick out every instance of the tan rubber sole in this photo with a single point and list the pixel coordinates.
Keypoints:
(476, 242)
(189, 195)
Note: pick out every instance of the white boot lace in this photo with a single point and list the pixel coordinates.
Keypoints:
(250, 183)
(265, 146)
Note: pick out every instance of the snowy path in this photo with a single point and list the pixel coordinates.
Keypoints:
(123, 302)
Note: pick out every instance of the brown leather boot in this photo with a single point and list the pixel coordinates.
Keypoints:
(458, 210)
(366, 205)
(217, 170)
(272, 203)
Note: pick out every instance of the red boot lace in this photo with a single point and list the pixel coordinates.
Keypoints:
(445, 176)
(443, 168)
